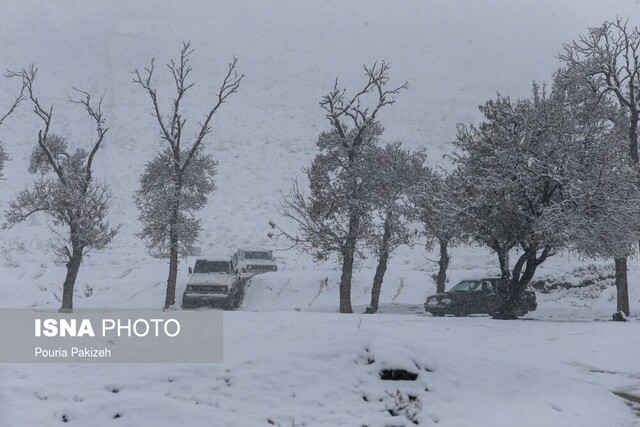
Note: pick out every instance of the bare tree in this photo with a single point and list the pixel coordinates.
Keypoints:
(512, 170)
(184, 170)
(607, 59)
(335, 217)
(602, 214)
(399, 174)
(536, 172)
(71, 197)
(339, 190)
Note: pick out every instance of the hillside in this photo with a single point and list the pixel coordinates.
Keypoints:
(289, 359)
(455, 56)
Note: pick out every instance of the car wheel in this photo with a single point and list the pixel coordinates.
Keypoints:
(230, 303)
(437, 313)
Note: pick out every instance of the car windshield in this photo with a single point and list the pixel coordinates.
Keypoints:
(257, 255)
(206, 267)
(465, 286)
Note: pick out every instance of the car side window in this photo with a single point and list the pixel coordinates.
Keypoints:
(485, 286)
(492, 287)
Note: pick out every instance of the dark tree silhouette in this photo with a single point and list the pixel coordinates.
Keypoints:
(607, 59)
(176, 182)
(66, 190)
(399, 173)
(335, 217)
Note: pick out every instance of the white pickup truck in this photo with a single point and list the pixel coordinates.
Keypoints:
(248, 262)
(211, 282)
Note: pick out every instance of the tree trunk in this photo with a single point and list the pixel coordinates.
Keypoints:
(443, 264)
(622, 285)
(348, 256)
(170, 297)
(381, 269)
(345, 282)
(505, 271)
(73, 266)
(517, 284)
(503, 260)
(506, 309)
(633, 138)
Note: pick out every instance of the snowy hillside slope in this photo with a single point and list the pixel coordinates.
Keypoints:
(313, 368)
(454, 54)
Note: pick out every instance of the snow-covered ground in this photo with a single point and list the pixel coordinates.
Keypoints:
(288, 357)
(319, 369)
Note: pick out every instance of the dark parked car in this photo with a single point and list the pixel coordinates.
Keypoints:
(475, 297)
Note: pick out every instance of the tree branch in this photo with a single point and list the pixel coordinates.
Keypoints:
(229, 86)
(151, 91)
(96, 114)
(28, 76)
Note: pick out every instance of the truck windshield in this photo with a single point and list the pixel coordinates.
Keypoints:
(205, 267)
(257, 255)
(465, 286)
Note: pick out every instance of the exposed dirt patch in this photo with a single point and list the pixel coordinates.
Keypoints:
(633, 400)
(590, 276)
(397, 375)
